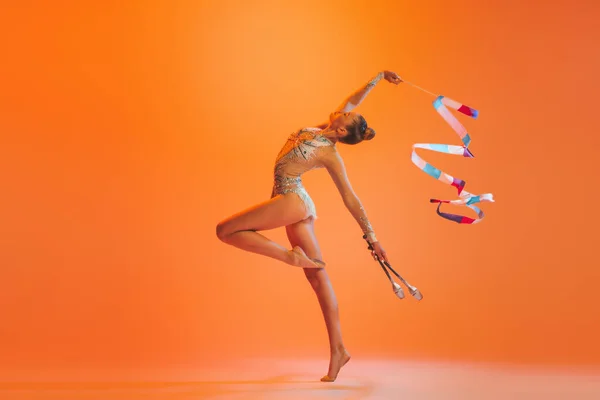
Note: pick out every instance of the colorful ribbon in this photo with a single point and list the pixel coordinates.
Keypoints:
(467, 199)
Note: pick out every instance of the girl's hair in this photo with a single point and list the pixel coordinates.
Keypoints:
(357, 132)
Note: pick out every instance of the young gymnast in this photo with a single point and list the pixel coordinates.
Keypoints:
(291, 206)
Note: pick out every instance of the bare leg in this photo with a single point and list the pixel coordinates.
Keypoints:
(240, 229)
(302, 234)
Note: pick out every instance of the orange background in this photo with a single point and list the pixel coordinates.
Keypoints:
(128, 131)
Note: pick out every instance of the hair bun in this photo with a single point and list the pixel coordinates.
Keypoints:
(369, 134)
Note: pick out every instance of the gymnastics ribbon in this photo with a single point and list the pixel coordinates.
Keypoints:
(441, 105)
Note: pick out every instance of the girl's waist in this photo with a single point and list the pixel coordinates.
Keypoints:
(287, 182)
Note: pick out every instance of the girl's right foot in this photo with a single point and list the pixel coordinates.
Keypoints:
(337, 361)
(298, 258)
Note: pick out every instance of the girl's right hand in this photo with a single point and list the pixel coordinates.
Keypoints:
(391, 77)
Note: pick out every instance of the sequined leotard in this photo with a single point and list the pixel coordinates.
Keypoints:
(308, 149)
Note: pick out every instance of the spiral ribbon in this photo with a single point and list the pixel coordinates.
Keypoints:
(441, 105)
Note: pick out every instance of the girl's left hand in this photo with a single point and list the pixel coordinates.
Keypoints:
(391, 77)
(378, 252)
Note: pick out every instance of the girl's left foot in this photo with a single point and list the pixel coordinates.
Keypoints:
(298, 258)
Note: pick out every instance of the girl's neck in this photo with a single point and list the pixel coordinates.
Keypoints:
(329, 134)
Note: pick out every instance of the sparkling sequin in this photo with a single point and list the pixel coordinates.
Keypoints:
(298, 155)
(376, 79)
(284, 185)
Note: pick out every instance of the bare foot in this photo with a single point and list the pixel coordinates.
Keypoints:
(337, 361)
(298, 258)
(319, 263)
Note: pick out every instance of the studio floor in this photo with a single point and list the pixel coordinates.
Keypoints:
(292, 379)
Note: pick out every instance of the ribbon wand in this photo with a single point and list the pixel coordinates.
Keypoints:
(443, 105)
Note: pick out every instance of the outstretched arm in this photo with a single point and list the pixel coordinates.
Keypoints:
(358, 96)
(352, 101)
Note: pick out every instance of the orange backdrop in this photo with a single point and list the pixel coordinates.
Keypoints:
(128, 131)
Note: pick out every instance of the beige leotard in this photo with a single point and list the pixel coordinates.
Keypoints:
(308, 149)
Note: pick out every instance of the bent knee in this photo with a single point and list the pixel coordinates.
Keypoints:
(222, 231)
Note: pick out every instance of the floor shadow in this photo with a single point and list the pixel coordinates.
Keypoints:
(184, 389)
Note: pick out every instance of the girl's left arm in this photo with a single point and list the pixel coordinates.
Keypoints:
(356, 98)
